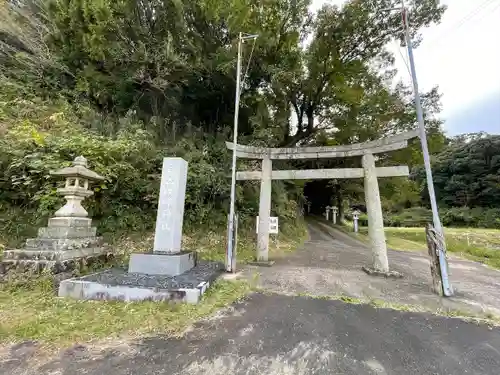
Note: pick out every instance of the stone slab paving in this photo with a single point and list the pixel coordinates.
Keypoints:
(285, 335)
(330, 262)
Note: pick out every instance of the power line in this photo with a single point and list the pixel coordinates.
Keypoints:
(468, 17)
(404, 58)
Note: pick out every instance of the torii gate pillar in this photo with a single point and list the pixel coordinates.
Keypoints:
(375, 218)
(264, 210)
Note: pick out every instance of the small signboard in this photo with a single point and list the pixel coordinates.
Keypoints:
(273, 225)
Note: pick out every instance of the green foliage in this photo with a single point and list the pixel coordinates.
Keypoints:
(461, 217)
(471, 217)
(467, 173)
(37, 142)
(126, 83)
(412, 217)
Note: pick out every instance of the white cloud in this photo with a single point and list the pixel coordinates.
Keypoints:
(461, 55)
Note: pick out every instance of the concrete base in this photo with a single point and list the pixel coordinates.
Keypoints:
(262, 263)
(117, 284)
(162, 264)
(391, 274)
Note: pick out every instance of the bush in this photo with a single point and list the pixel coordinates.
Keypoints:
(40, 137)
(411, 217)
(451, 217)
(471, 217)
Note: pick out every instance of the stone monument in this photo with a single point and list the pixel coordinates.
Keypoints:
(166, 273)
(167, 257)
(69, 240)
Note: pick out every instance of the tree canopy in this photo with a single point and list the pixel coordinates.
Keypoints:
(165, 70)
(173, 63)
(467, 172)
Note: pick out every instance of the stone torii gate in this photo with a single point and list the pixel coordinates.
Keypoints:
(369, 172)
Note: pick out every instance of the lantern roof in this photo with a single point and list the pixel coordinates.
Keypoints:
(79, 169)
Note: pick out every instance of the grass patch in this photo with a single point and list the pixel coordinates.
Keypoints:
(480, 245)
(32, 311)
(37, 314)
(211, 244)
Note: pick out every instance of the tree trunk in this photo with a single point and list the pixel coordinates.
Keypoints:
(432, 247)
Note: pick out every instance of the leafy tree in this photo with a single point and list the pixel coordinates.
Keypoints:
(467, 174)
(346, 42)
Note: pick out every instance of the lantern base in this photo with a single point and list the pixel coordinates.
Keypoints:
(67, 243)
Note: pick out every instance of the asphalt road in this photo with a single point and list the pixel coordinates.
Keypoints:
(279, 334)
(276, 334)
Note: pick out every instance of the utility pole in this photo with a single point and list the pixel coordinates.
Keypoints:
(443, 263)
(231, 237)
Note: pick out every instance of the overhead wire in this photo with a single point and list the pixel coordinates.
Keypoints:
(404, 58)
(464, 20)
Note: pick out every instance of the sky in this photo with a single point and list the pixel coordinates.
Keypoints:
(461, 55)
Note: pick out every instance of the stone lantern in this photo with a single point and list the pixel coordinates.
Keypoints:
(327, 213)
(69, 241)
(335, 210)
(355, 217)
(76, 188)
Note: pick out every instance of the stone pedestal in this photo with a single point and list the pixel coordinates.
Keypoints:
(162, 264)
(65, 244)
(167, 273)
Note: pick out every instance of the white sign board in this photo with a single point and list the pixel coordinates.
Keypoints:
(273, 225)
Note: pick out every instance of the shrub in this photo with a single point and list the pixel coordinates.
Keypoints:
(451, 217)
(41, 137)
(472, 217)
(411, 217)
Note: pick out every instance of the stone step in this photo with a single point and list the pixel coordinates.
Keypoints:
(70, 222)
(67, 232)
(62, 244)
(52, 255)
(54, 266)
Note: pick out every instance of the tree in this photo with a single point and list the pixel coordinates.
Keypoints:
(467, 174)
(345, 43)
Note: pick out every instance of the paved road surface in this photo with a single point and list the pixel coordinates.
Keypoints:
(330, 264)
(276, 334)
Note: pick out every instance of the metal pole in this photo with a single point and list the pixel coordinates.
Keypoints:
(447, 289)
(230, 236)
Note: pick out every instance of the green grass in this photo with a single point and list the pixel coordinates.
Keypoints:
(30, 310)
(37, 314)
(482, 245)
(211, 244)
